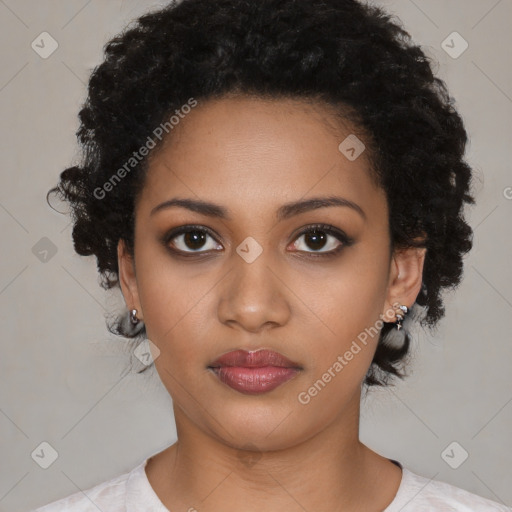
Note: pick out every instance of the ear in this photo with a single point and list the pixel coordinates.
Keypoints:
(127, 278)
(405, 279)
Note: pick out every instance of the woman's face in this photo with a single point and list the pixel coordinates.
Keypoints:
(255, 278)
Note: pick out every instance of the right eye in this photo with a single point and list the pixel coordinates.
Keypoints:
(191, 240)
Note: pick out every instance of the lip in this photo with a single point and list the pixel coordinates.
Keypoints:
(254, 359)
(254, 372)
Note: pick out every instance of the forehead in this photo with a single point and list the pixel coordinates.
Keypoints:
(242, 151)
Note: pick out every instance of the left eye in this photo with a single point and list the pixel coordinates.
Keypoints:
(317, 237)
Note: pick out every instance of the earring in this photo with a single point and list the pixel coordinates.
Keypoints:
(400, 316)
(133, 317)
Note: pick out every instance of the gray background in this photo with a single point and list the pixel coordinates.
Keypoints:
(65, 380)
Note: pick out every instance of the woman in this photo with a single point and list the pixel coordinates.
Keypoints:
(277, 187)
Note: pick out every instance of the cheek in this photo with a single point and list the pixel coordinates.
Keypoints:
(161, 293)
(174, 299)
(350, 298)
(345, 343)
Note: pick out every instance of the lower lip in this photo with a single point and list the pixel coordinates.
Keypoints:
(254, 381)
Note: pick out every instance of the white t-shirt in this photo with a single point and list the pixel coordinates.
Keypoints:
(132, 492)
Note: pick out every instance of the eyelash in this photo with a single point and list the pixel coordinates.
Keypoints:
(345, 240)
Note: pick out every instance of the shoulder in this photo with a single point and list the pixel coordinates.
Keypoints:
(109, 495)
(420, 494)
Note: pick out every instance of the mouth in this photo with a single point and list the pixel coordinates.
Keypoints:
(254, 372)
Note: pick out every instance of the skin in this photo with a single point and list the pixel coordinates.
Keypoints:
(270, 451)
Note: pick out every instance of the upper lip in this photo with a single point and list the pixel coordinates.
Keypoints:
(254, 359)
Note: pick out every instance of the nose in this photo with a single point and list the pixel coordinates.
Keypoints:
(253, 296)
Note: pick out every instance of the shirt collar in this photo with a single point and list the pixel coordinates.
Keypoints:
(139, 493)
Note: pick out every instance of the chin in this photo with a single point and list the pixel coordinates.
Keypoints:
(263, 427)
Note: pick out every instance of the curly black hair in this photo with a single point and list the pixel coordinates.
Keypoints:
(356, 58)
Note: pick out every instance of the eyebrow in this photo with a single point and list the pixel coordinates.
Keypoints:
(284, 212)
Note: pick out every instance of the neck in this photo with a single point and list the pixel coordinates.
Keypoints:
(331, 470)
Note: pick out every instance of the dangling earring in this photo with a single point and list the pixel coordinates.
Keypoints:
(133, 317)
(400, 316)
